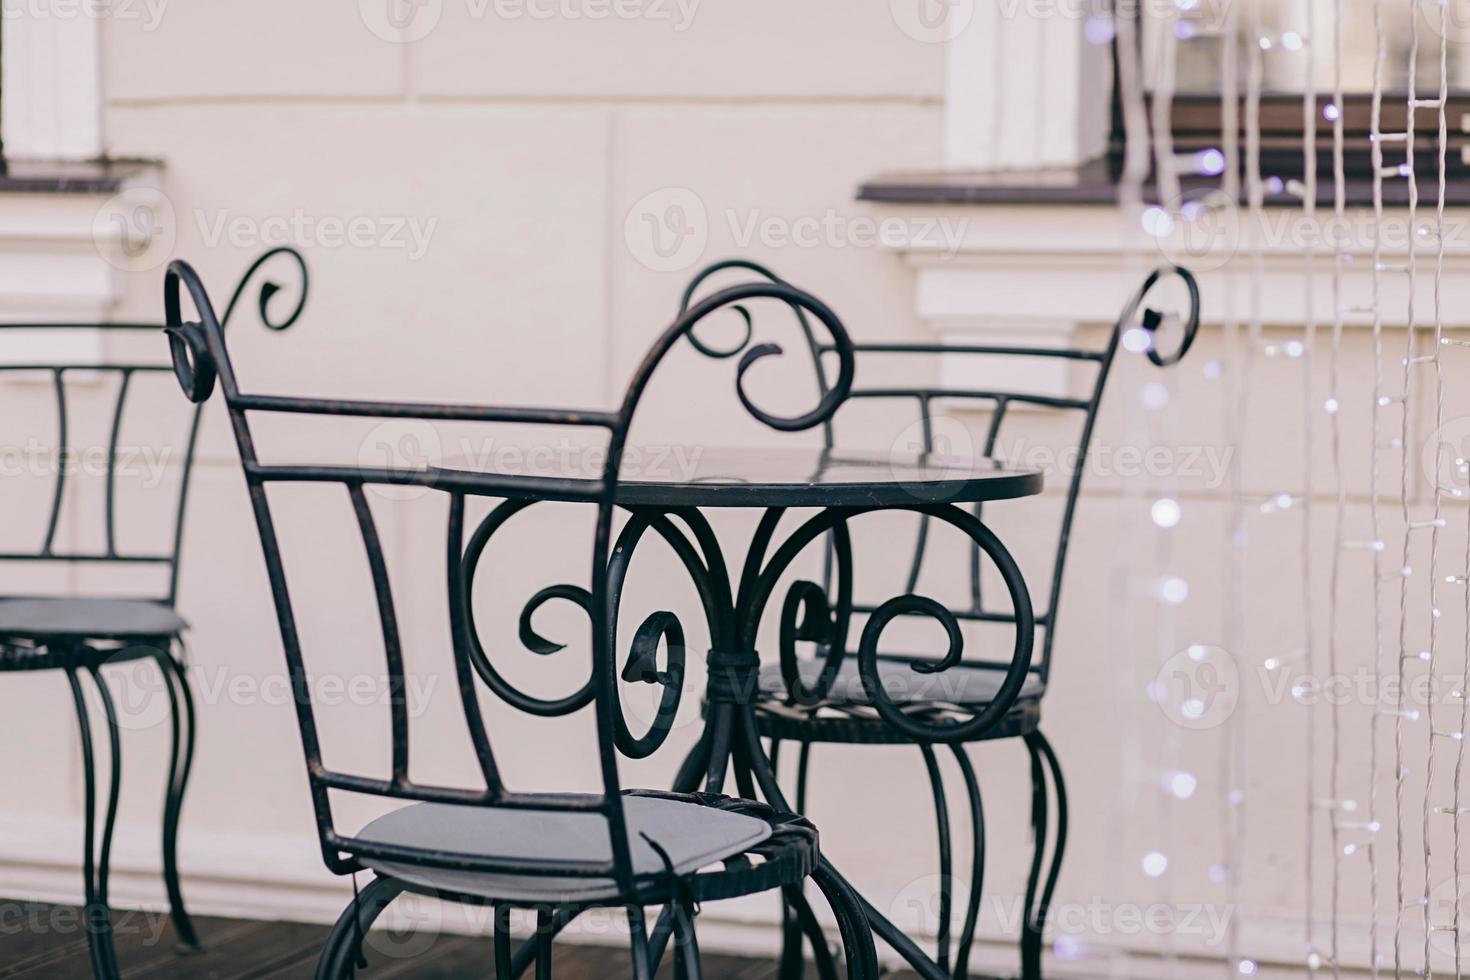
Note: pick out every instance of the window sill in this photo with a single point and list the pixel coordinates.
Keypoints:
(1092, 184)
(71, 177)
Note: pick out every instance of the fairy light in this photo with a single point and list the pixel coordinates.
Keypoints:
(1232, 757)
(1434, 526)
(1151, 398)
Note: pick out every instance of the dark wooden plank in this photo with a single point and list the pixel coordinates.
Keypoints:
(253, 951)
(59, 946)
(241, 949)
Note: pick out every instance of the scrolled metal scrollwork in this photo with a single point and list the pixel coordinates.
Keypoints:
(918, 728)
(530, 639)
(660, 629)
(1153, 319)
(270, 288)
(195, 365)
(642, 667)
(808, 614)
(735, 297)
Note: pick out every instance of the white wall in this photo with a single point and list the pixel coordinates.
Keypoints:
(531, 154)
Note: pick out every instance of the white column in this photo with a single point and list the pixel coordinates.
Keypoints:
(50, 80)
(1025, 87)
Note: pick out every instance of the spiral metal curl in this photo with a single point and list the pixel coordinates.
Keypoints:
(1153, 319)
(808, 614)
(196, 362)
(530, 639)
(919, 729)
(734, 296)
(640, 666)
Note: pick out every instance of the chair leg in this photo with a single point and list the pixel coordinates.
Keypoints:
(638, 933)
(340, 951)
(180, 764)
(852, 922)
(811, 929)
(686, 945)
(946, 868)
(977, 865)
(503, 968)
(544, 935)
(97, 916)
(792, 965)
(1043, 761)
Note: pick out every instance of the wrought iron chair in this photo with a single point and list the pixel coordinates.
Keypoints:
(80, 634)
(878, 698)
(555, 853)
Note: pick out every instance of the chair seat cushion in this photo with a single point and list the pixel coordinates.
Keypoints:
(87, 619)
(691, 834)
(964, 684)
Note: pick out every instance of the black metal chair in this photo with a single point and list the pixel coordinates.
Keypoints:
(555, 853)
(878, 698)
(80, 634)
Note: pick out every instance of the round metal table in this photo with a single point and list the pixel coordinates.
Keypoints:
(667, 489)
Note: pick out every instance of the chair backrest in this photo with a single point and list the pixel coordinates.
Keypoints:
(201, 361)
(1134, 316)
(62, 378)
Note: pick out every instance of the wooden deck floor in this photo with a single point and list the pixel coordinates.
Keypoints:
(43, 941)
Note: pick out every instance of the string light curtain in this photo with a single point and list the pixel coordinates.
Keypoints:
(1382, 865)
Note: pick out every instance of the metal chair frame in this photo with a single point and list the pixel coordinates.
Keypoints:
(806, 717)
(201, 362)
(84, 655)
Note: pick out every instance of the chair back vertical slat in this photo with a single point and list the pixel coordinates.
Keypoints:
(58, 377)
(463, 671)
(388, 619)
(112, 440)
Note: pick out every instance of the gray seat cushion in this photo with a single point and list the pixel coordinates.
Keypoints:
(84, 619)
(693, 836)
(966, 685)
